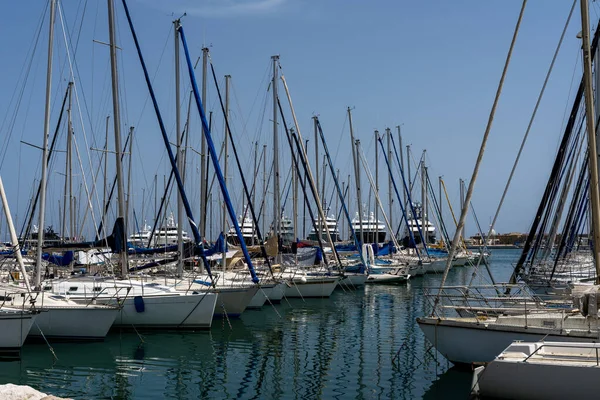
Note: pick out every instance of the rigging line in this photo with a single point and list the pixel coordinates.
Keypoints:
(488, 128)
(83, 131)
(229, 133)
(337, 150)
(533, 115)
(13, 119)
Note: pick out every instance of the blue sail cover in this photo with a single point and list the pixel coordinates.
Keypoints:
(385, 250)
(218, 247)
(61, 261)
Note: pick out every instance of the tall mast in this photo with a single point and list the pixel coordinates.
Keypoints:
(409, 194)
(117, 130)
(360, 208)
(388, 134)
(203, 169)
(264, 168)
(401, 156)
(68, 191)
(590, 122)
(276, 190)
(376, 190)
(254, 185)
(295, 178)
(40, 238)
(355, 145)
(225, 155)
(317, 171)
(461, 183)
(106, 176)
(180, 211)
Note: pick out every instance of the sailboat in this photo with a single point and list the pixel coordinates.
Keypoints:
(486, 321)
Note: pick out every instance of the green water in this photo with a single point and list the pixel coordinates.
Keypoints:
(341, 347)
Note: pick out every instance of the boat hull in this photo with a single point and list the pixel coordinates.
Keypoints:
(233, 301)
(66, 323)
(351, 280)
(168, 311)
(317, 287)
(467, 343)
(15, 328)
(275, 294)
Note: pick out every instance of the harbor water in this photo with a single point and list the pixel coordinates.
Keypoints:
(362, 344)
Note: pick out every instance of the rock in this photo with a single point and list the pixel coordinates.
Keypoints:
(22, 392)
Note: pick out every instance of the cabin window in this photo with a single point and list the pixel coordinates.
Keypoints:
(97, 289)
(46, 288)
(73, 289)
(5, 298)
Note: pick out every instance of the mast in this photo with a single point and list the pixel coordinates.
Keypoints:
(355, 145)
(317, 170)
(180, 211)
(40, 238)
(408, 172)
(129, 189)
(304, 202)
(264, 168)
(254, 185)
(423, 202)
(461, 183)
(225, 155)
(203, 163)
(388, 134)
(68, 191)
(360, 206)
(590, 123)
(117, 131)
(13, 235)
(276, 189)
(401, 156)
(377, 190)
(103, 219)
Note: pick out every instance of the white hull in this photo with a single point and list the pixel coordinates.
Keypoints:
(79, 323)
(541, 371)
(259, 299)
(351, 280)
(435, 266)
(275, 295)
(14, 328)
(460, 261)
(311, 287)
(385, 278)
(468, 343)
(233, 301)
(169, 311)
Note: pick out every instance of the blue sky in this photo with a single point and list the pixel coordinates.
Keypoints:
(431, 66)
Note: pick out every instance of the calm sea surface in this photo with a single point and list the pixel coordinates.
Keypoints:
(341, 347)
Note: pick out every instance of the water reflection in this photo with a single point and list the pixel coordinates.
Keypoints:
(339, 348)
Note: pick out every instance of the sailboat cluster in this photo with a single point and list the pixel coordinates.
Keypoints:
(159, 277)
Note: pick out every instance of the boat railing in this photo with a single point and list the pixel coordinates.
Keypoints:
(472, 301)
(7, 300)
(581, 348)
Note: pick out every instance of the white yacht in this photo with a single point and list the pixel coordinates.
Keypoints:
(248, 231)
(167, 235)
(418, 224)
(287, 230)
(373, 230)
(140, 238)
(332, 226)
